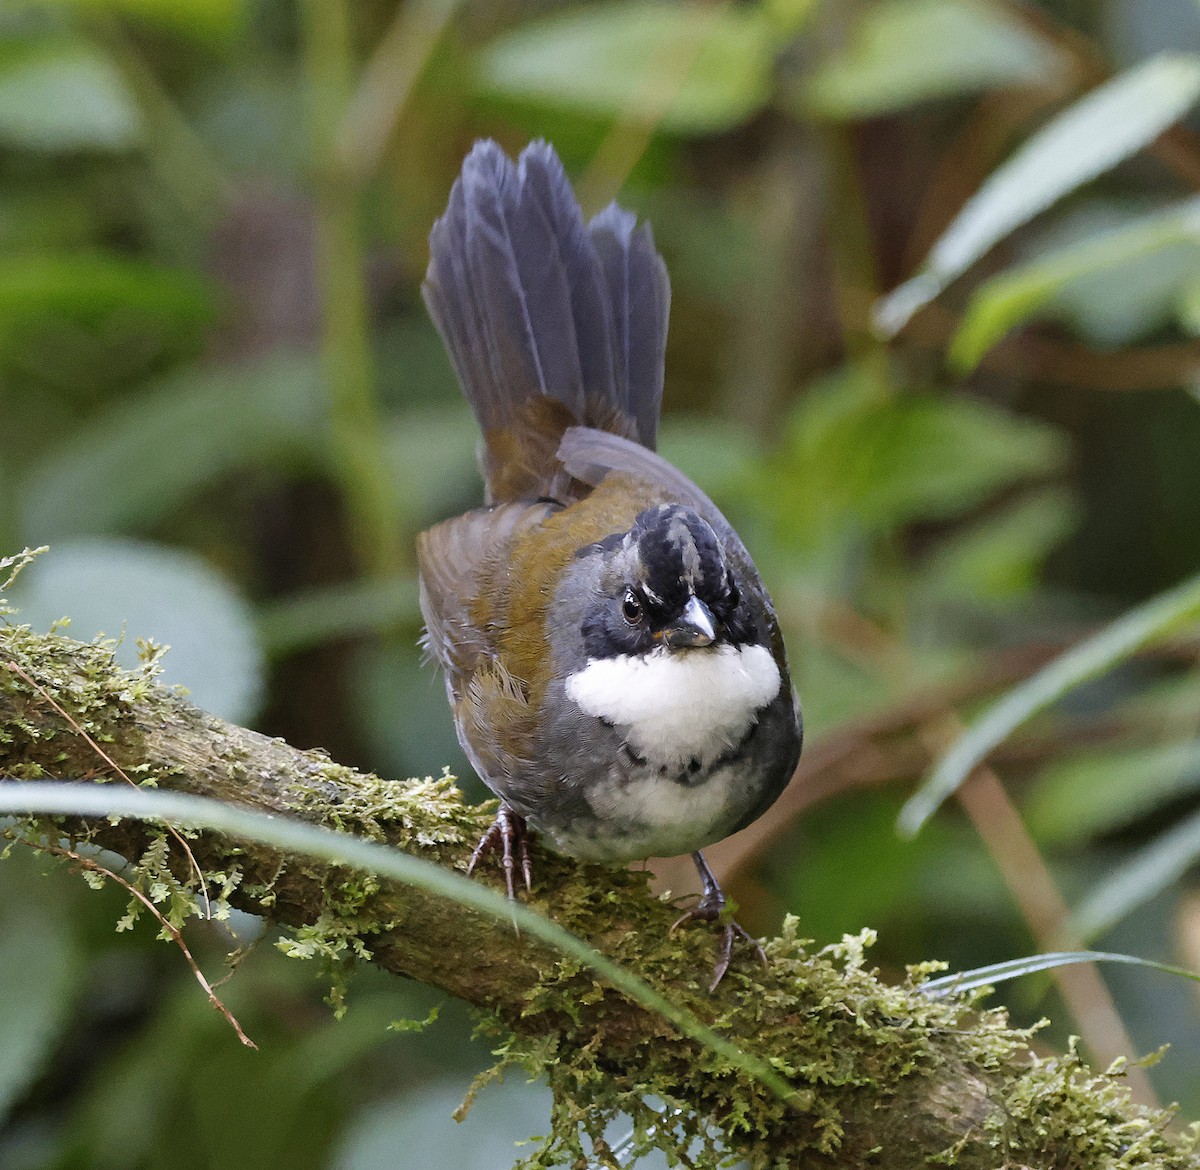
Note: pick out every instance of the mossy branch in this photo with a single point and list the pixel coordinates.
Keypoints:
(885, 1075)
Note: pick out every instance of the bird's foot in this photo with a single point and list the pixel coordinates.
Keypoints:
(509, 834)
(711, 908)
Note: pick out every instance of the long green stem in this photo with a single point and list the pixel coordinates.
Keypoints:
(357, 445)
(388, 80)
(344, 849)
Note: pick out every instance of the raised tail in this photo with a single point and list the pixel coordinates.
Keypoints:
(548, 323)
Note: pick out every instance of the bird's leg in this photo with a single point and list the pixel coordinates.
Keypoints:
(509, 832)
(709, 909)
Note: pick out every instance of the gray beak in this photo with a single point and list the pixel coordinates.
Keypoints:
(695, 627)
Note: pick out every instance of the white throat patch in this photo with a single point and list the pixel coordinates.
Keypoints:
(677, 706)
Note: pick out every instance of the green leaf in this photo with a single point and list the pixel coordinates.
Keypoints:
(130, 1109)
(1188, 309)
(851, 846)
(430, 454)
(1075, 800)
(90, 287)
(311, 1068)
(994, 973)
(836, 691)
(930, 457)
(1152, 284)
(1147, 623)
(692, 70)
(346, 610)
(856, 460)
(98, 301)
(712, 451)
(908, 51)
(1140, 877)
(197, 18)
(788, 16)
(132, 590)
(137, 461)
(65, 97)
(36, 217)
(1097, 132)
(343, 849)
(1111, 257)
(999, 557)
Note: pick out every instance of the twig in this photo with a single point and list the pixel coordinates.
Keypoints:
(1045, 911)
(167, 926)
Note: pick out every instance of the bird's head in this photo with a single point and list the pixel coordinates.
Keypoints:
(664, 584)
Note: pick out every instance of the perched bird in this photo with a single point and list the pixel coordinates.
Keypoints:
(612, 658)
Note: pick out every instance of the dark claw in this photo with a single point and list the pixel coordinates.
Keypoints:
(507, 830)
(709, 909)
(526, 864)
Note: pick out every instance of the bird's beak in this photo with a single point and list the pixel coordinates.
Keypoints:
(695, 627)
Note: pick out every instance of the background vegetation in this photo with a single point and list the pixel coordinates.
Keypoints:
(223, 407)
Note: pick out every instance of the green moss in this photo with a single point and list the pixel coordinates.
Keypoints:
(88, 690)
(589, 1095)
(425, 815)
(1086, 1119)
(10, 569)
(844, 1032)
(421, 814)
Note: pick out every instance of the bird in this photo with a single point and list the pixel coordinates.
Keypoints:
(611, 656)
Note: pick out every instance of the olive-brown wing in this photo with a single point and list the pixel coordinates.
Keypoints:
(461, 562)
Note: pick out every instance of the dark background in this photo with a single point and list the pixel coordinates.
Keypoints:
(224, 409)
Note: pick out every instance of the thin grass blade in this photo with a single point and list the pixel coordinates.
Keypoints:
(1104, 127)
(989, 976)
(1147, 623)
(94, 800)
(1147, 872)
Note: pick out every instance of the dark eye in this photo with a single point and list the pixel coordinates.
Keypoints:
(631, 608)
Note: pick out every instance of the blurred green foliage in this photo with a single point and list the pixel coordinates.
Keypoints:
(223, 406)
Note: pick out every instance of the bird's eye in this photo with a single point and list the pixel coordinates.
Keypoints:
(631, 608)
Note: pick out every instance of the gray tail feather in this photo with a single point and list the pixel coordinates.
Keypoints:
(531, 303)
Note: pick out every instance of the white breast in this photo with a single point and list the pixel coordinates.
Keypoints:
(647, 814)
(679, 706)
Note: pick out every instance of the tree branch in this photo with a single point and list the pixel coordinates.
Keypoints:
(884, 1075)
